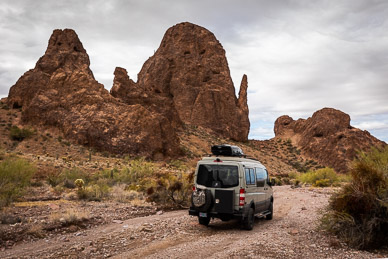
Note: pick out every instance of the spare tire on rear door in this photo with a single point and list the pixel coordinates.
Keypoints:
(202, 199)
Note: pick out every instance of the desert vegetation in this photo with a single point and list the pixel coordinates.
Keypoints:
(323, 177)
(19, 134)
(359, 212)
(15, 176)
(168, 185)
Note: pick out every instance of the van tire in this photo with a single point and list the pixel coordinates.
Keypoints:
(249, 220)
(269, 216)
(204, 220)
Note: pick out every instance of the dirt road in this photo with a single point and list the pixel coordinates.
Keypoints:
(291, 234)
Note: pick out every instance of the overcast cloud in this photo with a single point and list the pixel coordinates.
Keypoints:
(300, 56)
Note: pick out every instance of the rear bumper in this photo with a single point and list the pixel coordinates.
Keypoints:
(235, 215)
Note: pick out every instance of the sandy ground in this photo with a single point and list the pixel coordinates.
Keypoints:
(291, 234)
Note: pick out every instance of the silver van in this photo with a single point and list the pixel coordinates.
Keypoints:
(227, 185)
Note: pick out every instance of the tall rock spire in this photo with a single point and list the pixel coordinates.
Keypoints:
(242, 104)
(190, 67)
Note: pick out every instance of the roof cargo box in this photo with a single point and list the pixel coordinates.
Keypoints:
(226, 150)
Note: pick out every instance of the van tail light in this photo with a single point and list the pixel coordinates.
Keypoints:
(193, 188)
(242, 197)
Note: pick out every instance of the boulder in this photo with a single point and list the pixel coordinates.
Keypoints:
(326, 137)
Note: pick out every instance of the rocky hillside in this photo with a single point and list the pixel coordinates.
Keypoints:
(61, 93)
(187, 81)
(49, 150)
(326, 137)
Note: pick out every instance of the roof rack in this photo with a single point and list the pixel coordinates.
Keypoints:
(227, 150)
(231, 158)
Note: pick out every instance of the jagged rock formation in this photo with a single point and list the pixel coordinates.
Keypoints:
(61, 92)
(189, 76)
(326, 137)
(187, 81)
(129, 92)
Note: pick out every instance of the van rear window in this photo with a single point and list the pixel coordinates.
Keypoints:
(220, 176)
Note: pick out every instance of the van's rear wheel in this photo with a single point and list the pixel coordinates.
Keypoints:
(204, 220)
(249, 220)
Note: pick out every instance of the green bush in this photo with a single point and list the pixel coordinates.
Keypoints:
(15, 176)
(133, 175)
(19, 134)
(68, 177)
(359, 212)
(168, 188)
(320, 178)
(96, 191)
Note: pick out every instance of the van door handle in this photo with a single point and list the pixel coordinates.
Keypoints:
(265, 188)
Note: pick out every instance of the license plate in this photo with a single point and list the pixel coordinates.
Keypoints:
(203, 214)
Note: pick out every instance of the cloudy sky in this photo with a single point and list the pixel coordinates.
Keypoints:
(300, 56)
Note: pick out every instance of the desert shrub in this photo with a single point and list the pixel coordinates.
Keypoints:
(171, 189)
(68, 177)
(120, 193)
(54, 178)
(36, 230)
(297, 165)
(293, 175)
(18, 134)
(178, 164)
(133, 175)
(359, 212)
(70, 217)
(167, 188)
(278, 181)
(15, 176)
(320, 178)
(95, 191)
(140, 168)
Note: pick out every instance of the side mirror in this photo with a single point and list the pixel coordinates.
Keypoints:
(272, 182)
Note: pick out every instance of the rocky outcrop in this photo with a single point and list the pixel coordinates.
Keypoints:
(131, 93)
(326, 137)
(61, 92)
(191, 71)
(187, 81)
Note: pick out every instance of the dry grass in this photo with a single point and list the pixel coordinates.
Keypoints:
(36, 230)
(70, 217)
(120, 193)
(41, 203)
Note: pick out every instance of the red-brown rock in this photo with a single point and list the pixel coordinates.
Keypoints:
(61, 92)
(326, 137)
(190, 69)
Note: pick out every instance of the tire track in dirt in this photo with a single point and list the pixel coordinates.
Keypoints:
(291, 234)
